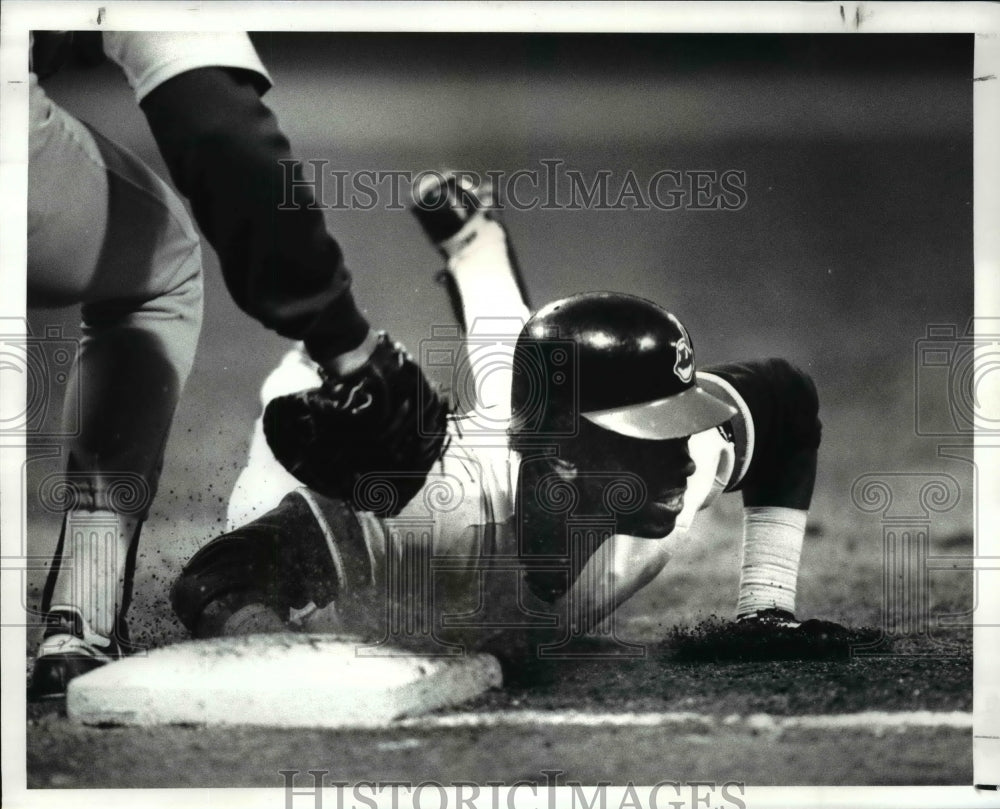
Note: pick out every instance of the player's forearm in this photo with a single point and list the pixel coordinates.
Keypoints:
(223, 148)
(616, 572)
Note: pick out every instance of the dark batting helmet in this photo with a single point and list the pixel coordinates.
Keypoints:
(617, 361)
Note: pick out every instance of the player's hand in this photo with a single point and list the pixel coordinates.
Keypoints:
(369, 437)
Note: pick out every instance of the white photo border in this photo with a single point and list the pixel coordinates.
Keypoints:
(18, 17)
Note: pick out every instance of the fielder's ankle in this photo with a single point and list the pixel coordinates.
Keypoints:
(91, 576)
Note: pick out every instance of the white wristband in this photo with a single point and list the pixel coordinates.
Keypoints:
(772, 547)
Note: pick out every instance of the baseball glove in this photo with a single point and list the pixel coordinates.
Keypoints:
(369, 437)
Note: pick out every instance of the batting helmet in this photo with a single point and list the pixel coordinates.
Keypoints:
(619, 361)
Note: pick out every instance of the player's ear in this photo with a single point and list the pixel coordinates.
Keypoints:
(565, 468)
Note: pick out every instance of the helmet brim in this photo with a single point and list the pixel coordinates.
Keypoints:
(678, 416)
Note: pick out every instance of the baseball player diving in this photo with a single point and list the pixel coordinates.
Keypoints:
(591, 442)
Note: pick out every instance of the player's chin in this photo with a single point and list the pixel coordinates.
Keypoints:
(653, 521)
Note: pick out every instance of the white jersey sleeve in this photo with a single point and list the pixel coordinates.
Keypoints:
(149, 58)
(263, 481)
(714, 458)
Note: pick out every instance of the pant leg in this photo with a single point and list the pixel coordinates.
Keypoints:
(484, 286)
(106, 233)
(778, 431)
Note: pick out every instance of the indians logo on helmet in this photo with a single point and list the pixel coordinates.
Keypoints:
(684, 364)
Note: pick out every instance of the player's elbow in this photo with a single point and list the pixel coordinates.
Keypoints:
(800, 402)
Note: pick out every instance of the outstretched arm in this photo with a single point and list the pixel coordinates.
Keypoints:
(201, 94)
(612, 575)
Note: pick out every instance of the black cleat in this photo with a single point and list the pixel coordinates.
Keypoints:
(783, 619)
(68, 650)
(444, 203)
(449, 203)
(767, 635)
(770, 618)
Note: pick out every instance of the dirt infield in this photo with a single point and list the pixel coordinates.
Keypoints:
(715, 743)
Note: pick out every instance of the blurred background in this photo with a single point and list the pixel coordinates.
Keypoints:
(855, 237)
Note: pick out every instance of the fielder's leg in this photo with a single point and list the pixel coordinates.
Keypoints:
(105, 232)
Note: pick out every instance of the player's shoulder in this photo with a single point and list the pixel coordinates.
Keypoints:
(476, 467)
(462, 489)
(477, 452)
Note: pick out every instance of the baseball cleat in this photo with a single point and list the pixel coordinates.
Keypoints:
(451, 208)
(783, 619)
(773, 618)
(445, 203)
(68, 650)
